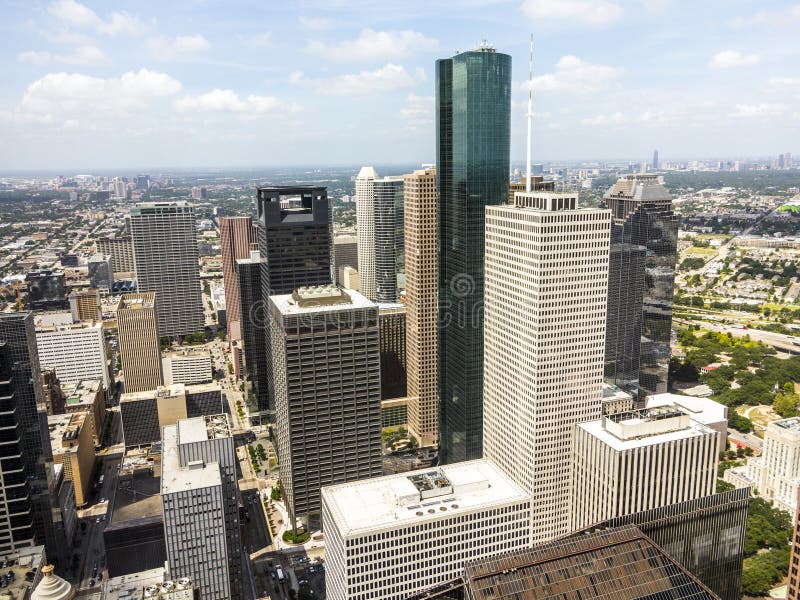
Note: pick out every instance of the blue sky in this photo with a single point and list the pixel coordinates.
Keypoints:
(196, 83)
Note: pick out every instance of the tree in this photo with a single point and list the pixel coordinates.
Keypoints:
(785, 404)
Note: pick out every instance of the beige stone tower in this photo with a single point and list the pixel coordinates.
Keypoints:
(137, 326)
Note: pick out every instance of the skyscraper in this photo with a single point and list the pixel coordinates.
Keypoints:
(294, 238)
(546, 293)
(238, 237)
(139, 347)
(644, 238)
(326, 364)
(655, 160)
(365, 224)
(25, 518)
(166, 257)
(422, 301)
(253, 322)
(388, 236)
(473, 124)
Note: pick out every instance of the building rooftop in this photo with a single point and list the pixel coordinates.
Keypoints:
(200, 429)
(620, 563)
(419, 496)
(138, 300)
(704, 410)
(83, 392)
(328, 298)
(792, 424)
(53, 322)
(22, 569)
(147, 585)
(187, 353)
(174, 477)
(162, 391)
(645, 427)
(52, 319)
(65, 430)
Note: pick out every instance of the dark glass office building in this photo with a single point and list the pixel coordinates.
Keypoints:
(392, 325)
(473, 124)
(25, 516)
(253, 317)
(644, 242)
(388, 237)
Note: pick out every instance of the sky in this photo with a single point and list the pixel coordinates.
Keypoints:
(254, 83)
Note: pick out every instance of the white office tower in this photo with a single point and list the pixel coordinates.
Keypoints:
(365, 225)
(200, 498)
(639, 460)
(390, 537)
(546, 291)
(77, 351)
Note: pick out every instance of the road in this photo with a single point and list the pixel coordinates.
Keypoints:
(779, 341)
(745, 439)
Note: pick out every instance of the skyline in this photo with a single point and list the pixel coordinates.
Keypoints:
(197, 84)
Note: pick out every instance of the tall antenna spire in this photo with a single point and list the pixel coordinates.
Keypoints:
(530, 120)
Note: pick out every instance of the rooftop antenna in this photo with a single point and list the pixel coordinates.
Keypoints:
(530, 120)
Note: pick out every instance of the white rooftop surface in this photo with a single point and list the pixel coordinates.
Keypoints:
(700, 409)
(130, 587)
(288, 306)
(595, 428)
(393, 500)
(192, 430)
(175, 478)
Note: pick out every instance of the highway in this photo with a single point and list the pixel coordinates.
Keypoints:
(779, 341)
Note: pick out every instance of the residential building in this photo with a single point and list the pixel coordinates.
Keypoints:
(391, 537)
(85, 306)
(544, 316)
(392, 325)
(26, 517)
(166, 257)
(644, 238)
(620, 563)
(326, 364)
(139, 344)
(253, 322)
(101, 272)
(76, 351)
(473, 128)
(187, 366)
(121, 250)
(238, 236)
(345, 254)
(639, 460)
(196, 500)
(422, 301)
(294, 238)
(73, 447)
(365, 228)
(87, 396)
(389, 242)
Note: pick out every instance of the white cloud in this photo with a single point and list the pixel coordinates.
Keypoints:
(296, 77)
(585, 12)
(75, 14)
(601, 120)
(784, 82)
(774, 18)
(574, 75)
(74, 93)
(316, 23)
(229, 101)
(374, 45)
(418, 110)
(764, 109)
(730, 59)
(388, 78)
(262, 40)
(167, 48)
(83, 55)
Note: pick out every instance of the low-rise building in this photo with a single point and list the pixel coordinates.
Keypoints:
(391, 537)
(148, 584)
(187, 366)
(87, 396)
(73, 447)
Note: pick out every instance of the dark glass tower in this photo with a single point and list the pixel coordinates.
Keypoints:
(473, 125)
(253, 323)
(644, 242)
(25, 516)
(388, 236)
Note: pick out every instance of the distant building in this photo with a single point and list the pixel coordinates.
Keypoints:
(219, 304)
(389, 245)
(139, 344)
(200, 498)
(46, 290)
(166, 256)
(101, 272)
(345, 254)
(238, 236)
(187, 366)
(121, 250)
(422, 301)
(85, 306)
(411, 521)
(639, 460)
(73, 447)
(199, 193)
(392, 325)
(365, 226)
(655, 164)
(77, 351)
(333, 334)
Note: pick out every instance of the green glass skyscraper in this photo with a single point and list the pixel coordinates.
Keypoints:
(473, 126)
